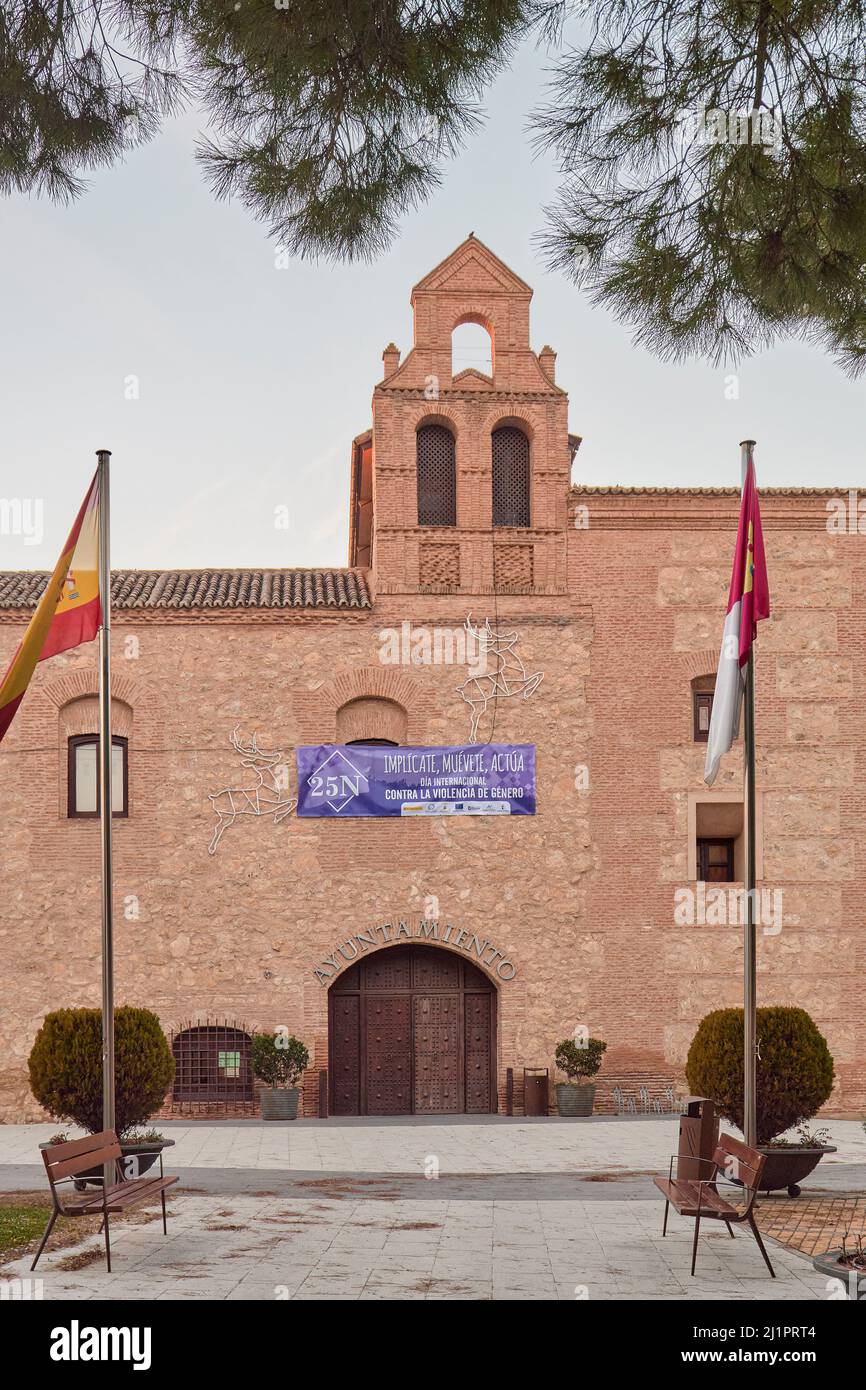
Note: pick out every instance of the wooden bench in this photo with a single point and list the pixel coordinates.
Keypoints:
(66, 1162)
(733, 1162)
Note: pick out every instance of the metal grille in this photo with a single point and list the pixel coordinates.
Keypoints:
(510, 477)
(213, 1067)
(437, 476)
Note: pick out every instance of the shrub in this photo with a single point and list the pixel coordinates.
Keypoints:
(65, 1066)
(279, 1060)
(794, 1070)
(579, 1063)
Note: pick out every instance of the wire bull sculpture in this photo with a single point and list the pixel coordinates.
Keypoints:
(264, 797)
(508, 677)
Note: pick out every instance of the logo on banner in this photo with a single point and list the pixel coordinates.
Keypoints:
(337, 781)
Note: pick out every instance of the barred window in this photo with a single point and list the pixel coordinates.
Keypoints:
(510, 477)
(437, 476)
(213, 1062)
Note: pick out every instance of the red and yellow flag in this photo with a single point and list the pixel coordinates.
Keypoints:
(68, 612)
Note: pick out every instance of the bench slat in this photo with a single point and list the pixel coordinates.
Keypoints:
(736, 1159)
(139, 1190)
(687, 1198)
(79, 1163)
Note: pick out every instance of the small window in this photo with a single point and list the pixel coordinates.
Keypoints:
(716, 861)
(510, 477)
(83, 776)
(703, 709)
(230, 1064)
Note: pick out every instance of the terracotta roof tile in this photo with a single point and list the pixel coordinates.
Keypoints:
(202, 589)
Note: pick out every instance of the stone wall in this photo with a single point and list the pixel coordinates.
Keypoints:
(660, 569)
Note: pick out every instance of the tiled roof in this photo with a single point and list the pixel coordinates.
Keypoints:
(605, 489)
(180, 589)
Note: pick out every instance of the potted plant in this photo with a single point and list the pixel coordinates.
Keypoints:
(794, 1078)
(65, 1065)
(579, 1061)
(279, 1061)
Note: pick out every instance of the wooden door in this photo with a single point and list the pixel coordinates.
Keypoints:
(436, 1054)
(412, 1030)
(478, 1049)
(388, 1048)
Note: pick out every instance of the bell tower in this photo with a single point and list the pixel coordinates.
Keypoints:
(470, 472)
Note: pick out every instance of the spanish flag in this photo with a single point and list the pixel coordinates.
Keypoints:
(748, 603)
(68, 612)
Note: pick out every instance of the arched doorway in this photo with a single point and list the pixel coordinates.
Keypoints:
(412, 1031)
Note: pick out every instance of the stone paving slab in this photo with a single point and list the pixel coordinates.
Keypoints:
(363, 1249)
(487, 1145)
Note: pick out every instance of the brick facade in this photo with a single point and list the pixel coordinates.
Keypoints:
(618, 597)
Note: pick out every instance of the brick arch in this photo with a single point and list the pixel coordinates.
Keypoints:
(371, 717)
(81, 716)
(74, 685)
(443, 417)
(134, 695)
(694, 664)
(371, 683)
(483, 318)
(435, 413)
(497, 421)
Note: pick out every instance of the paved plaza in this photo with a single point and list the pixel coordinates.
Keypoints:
(397, 1209)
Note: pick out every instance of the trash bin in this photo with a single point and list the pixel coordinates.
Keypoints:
(699, 1135)
(536, 1090)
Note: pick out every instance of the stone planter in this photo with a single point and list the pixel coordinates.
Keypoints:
(573, 1100)
(853, 1280)
(135, 1160)
(788, 1166)
(280, 1104)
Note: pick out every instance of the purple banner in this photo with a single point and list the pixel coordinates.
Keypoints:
(472, 779)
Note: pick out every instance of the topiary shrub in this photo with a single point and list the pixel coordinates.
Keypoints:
(579, 1063)
(65, 1066)
(279, 1060)
(794, 1070)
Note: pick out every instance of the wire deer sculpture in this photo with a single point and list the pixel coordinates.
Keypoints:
(263, 798)
(507, 678)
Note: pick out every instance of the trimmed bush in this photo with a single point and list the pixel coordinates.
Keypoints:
(580, 1063)
(794, 1070)
(65, 1066)
(278, 1060)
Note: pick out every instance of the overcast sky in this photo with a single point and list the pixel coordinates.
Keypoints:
(253, 380)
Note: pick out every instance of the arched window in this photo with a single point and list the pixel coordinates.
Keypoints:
(437, 476)
(510, 477)
(212, 1063)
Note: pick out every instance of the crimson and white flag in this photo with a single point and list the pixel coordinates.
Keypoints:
(748, 603)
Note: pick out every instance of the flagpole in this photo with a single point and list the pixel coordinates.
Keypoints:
(105, 762)
(749, 927)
